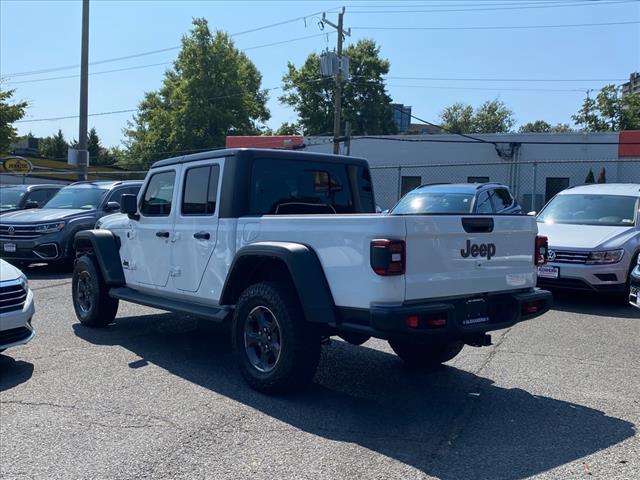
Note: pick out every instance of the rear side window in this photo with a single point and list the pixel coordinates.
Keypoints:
(289, 187)
(502, 198)
(159, 194)
(200, 190)
(39, 196)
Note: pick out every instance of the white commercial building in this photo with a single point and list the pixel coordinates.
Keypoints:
(542, 162)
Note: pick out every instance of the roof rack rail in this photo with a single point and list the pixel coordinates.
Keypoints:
(435, 183)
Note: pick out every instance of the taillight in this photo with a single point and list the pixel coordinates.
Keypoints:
(388, 257)
(541, 254)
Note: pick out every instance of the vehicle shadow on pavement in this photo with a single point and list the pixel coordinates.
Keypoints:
(448, 422)
(13, 372)
(41, 271)
(592, 304)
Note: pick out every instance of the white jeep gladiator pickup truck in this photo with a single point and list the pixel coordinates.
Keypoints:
(288, 247)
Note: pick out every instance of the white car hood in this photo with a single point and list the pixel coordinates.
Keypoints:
(581, 236)
(8, 271)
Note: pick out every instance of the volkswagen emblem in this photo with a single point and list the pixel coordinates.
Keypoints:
(551, 255)
(11, 230)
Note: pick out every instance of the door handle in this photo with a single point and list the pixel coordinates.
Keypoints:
(162, 234)
(202, 235)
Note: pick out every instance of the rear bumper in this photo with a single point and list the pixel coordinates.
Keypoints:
(504, 310)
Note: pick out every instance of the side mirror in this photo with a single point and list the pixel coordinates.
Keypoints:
(31, 204)
(532, 214)
(129, 205)
(112, 207)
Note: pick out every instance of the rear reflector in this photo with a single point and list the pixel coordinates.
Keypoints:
(413, 321)
(388, 257)
(530, 308)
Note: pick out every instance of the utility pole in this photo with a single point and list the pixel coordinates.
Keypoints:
(337, 99)
(83, 154)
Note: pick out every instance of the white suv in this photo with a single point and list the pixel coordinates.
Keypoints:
(594, 238)
(16, 307)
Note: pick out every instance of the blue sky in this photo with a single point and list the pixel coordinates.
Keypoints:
(41, 35)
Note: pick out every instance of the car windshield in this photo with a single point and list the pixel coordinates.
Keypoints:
(610, 210)
(10, 197)
(421, 202)
(77, 197)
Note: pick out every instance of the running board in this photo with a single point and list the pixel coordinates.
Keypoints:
(213, 313)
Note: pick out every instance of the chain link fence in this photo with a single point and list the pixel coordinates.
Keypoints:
(532, 183)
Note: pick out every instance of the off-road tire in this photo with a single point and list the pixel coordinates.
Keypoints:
(425, 354)
(98, 309)
(299, 340)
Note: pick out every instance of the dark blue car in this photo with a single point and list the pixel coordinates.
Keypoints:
(458, 198)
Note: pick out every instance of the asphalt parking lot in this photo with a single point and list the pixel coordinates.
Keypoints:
(157, 396)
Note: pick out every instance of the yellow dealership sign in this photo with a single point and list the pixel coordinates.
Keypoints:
(17, 165)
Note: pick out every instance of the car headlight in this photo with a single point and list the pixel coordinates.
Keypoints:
(50, 227)
(24, 281)
(605, 257)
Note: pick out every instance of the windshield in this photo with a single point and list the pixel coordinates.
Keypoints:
(10, 197)
(610, 210)
(77, 197)
(433, 202)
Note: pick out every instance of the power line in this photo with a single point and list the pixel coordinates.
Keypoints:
(137, 67)
(519, 7)
(500, 27)
(153, 52)
(469, 79)
(500, 88)
(494, 142)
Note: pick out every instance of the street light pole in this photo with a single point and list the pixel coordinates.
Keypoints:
(83, 154)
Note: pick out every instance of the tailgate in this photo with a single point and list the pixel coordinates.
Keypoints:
(452, 255)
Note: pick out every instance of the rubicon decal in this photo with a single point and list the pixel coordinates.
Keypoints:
(474, 250)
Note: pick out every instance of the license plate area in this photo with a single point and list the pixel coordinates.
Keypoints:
(9, 247)
(475, 311)
(547, 271)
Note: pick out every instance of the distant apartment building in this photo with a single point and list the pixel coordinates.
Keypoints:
(401, 116)
(632, 86)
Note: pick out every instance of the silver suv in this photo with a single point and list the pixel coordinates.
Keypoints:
(594, 238)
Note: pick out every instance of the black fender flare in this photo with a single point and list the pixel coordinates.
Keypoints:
(106, 248)
(304, 268)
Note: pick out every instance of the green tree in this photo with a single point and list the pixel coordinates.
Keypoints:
(9, 113)
(590, 177)
(54, 147)
(365, 104)
(492, 116)
(458, 118)
(540, 126)
(289, 129)
(609, 111)
(213, 90)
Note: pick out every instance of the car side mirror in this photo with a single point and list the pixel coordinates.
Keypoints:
(31, 204)
(532, 214)
(129, 205)
(112, 207)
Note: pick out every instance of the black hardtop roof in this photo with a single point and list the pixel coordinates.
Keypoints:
(250, 153)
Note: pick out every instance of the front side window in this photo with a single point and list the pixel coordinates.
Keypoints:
(159, 194)
(200, 190)
(425, 203)
(38, 196)
(484, 203)
(575, 209)
(290, 187)
(82, 197)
